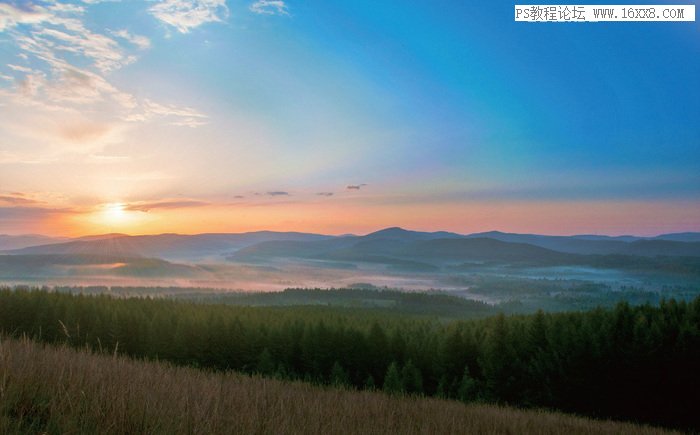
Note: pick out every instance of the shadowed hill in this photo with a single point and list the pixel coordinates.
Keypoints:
(483, 249)
(21, 267)
(18, 242)
(168, 246)
(676, 245)
(49, 389)
(396, 233)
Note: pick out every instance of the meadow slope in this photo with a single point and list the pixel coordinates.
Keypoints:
(61, 390)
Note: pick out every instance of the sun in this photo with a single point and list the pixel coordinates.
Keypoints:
(113, 217)
(115, 214)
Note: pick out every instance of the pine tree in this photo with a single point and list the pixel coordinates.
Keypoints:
(392, 380)
(339, 377)
(266, 365)
(411, 378)
(370, 384)
(467, 387)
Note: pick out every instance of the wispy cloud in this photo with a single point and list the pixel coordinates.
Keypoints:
(277, 193)
(20, 68)
(147, 109)
(185, 15)
(24, 214)
(325, 194)
(11, 16)
(60, 78)
(140, 41)
(148, 206)
(355, 186)
(269, 7)
(17, 199)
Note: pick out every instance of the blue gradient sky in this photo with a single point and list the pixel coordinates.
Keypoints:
(449, 114)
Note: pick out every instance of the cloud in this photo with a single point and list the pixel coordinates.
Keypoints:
(148, 206)
(325, 194)
(141, 42)
(24, 214)
(180, 116)
(105, 53)
(277, 193)
(11, 16)
(355, 186)
(20, 68)
(17, 199)
(269, 7)
(83, 132)
(185, 15)
(64, 74)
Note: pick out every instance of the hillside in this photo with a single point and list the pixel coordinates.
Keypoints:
(60, 390)
(534, 361)
(8, 242)
(390, 241)
(683, 244)
(167, 246)
(80, 265)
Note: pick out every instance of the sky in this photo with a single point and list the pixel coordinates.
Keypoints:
(195, 116)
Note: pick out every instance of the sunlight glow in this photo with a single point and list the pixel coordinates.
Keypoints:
(114, 213)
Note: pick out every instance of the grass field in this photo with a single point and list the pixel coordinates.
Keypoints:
(45, 389)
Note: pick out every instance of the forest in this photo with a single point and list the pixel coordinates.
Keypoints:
(635, 363)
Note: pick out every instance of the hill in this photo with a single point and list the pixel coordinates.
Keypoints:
(392, 242)
(60, 390)
(166, 246)
(685, 244)
(18, 242)
(22, 267)
(537, 361)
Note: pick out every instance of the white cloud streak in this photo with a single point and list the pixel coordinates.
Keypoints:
(61, 79)
(185, 15)
(269, 7)
(141, 42)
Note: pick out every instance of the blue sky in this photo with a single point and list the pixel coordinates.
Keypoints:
(442, 107)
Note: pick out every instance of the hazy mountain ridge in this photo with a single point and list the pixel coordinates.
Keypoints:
(21, 267)
(391, 250)
(26, 240)
(168, 246)
(184, 246)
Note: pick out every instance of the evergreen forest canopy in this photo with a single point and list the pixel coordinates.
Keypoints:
(631, 362)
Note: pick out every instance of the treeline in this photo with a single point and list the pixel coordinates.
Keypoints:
(636, 363)
(431, 303)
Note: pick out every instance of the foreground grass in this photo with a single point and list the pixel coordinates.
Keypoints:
(61, 390)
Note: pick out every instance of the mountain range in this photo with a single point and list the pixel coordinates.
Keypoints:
(493, 245)
(394, 248)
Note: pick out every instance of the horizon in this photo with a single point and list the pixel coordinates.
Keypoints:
(121, 234)
(193, 116)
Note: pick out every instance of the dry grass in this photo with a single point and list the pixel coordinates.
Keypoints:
(60, 390)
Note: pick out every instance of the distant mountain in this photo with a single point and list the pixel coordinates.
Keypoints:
(600, 237)
(403, 249)
(396, 248)
(373, 247)
(22, 267)
(23, 241)
(656, 247)
(482, 250)
(396, 233)
(167, 246)
(292, 249)
(600, 245)
(680, 237)
(99, 237)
